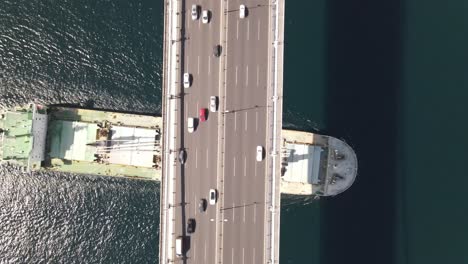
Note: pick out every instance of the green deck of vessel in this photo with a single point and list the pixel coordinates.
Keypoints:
(17, 142)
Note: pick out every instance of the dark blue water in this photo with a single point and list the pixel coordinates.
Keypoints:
(103, 54)
(389, 77)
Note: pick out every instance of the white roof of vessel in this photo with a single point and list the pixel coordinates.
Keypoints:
(132, 146)
(303, 163)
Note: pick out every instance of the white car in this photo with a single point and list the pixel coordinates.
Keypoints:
(205, 16)
(187, 82)
(213, 103)
(213, 196)
(242, 11)
(259, 153)
(190, 124)
(194, 12)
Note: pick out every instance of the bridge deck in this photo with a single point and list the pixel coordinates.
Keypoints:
(220, 154)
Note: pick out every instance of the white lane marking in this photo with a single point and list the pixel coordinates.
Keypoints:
(247, 75)
(235, 121)
(195, 207)
(205, 252)
(234, 172)
(209, 64)
(258, 31)
(258, 70)
(248, 29)
(196, 158)
(233, 212)
(186, 111)
(255, 213)
(198, 67)
(244, 213)
(197, 107)
(246, 121)
(256, 121)
(245, 166)
(236, 75)
(253, 256)
(232, 255)
(237, 32)
(207, 158)
(194, 251)
(243, 255)
(255, 170)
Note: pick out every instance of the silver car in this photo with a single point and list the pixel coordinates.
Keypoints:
(205, 16)
(213, 196)
(191, 124)
(242, 11)
(213, 103)
(187, 82)
(259, 155)
(195, 12)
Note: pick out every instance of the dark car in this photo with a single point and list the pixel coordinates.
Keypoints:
(191, 225)
(182, 156)
(202, 205)
(217, 50)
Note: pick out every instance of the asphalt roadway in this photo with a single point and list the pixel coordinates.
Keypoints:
(244, 115)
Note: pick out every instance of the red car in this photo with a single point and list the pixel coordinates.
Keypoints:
(203, 114)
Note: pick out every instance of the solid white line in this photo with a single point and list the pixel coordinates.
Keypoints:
(248, 29)
(205, 251)
(233, 212)
(253, 256)
(209, 64)
(245, 166)
(196, 110)
(194, 251)
(195, 207)
(243, 256)
(258, 35)
(207, 158)
(256, 121)
(234, 173)
(196, 158)
(232, 256)
(255, 213)
(198, 66)
(236, 75)
(246, 121)
(246, 75)
(235, 121)
(244, 213)
(237, 34)
(258, 72)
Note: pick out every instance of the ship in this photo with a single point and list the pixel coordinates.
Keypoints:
(120, 144)
(82, 141)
